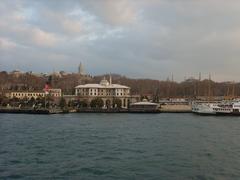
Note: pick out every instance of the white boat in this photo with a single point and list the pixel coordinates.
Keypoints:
(204, 108)
(222, 108)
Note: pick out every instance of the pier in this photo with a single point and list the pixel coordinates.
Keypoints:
(179, 108)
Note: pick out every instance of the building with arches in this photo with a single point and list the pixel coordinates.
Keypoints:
(112, 95)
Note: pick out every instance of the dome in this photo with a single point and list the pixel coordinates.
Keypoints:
(104, 82)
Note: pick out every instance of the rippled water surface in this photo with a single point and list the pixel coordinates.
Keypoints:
(119, 146)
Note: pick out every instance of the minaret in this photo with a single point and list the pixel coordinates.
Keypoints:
(199, 76)
(110, 79)
(80, 69)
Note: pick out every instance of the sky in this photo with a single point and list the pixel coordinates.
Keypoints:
(137, 38)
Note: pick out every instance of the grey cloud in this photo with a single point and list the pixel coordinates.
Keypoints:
(137, 38)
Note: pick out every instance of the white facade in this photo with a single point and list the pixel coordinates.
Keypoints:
(102, 90)
(106, 91)
(56, 93)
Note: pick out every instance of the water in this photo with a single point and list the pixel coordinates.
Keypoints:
(119, 146)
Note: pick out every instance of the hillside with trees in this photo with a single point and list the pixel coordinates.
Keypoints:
(163, 89)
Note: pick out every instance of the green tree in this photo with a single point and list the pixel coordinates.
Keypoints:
(31, 102)
(70, 103)
(97, 103)
(108, 103)
(14, 101)
(40, 101)
(62, 103)
(82, 104)
(5, 101)
(117, 103)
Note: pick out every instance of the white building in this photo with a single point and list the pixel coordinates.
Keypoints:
(56, 93)
(106, 91)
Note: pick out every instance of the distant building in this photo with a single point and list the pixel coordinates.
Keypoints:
(56, 93)
(106, 91)
(56, 74)
(63, 73)
(16, 73)
(34, 74)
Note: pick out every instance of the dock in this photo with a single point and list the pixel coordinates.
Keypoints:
(89, 110)
(176, 109)
(163, 109)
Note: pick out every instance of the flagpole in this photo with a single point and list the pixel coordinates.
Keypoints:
(46, 89)
(45, 102)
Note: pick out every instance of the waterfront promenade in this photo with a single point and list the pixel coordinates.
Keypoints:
(163, 109)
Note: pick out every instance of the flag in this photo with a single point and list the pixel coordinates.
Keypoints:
(46, 88)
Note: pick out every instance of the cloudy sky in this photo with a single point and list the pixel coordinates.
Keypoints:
(137, 38)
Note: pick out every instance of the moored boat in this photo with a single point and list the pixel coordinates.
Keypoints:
(221, 108)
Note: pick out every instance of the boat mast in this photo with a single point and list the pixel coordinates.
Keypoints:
(233, 90)
(209, 87)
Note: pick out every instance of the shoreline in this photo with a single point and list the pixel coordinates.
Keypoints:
(60, 111)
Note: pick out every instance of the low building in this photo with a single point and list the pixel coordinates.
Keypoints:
(16, 73)
(144, 106)
(56, 93)
(106, 91)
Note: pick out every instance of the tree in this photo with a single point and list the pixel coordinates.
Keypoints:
(108, 103)
(117, 103)
(82, 104)
(40, 101)
(70, 103)
(62, 103)
(31, 102)
(97, 103)
(4, 101)
(14, 101)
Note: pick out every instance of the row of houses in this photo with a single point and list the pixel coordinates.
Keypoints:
(56, 93)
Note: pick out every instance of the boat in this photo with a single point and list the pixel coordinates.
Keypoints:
(204, 108)
(221, 108)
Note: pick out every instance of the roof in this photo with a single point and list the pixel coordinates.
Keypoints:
(25, 91)
(145, 103)
(110, 86)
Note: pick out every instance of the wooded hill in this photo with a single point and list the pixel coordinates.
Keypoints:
(163, 89)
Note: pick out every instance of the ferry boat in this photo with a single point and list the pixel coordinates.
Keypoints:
(203, 108)
(222, 108)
